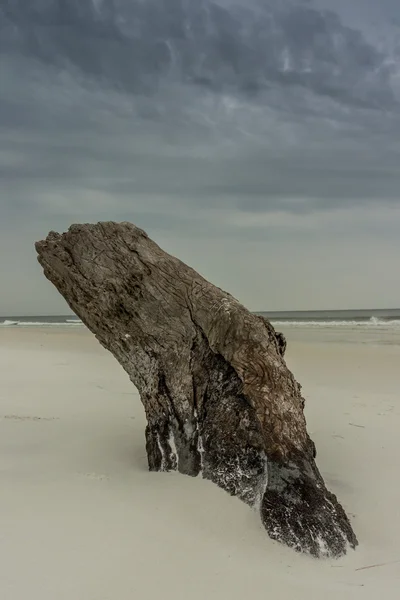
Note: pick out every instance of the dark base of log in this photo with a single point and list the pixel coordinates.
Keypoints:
(295, 506)
(299, 511)
(296, 509)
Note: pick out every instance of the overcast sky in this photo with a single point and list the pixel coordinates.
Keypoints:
(257, 140)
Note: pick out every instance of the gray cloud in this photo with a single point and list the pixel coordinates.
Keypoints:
(192, 117)
(136, 45)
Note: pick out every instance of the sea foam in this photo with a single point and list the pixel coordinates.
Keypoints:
(372, 323)
(68, 323)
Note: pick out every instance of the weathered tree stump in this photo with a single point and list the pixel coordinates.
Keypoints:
(218, 396)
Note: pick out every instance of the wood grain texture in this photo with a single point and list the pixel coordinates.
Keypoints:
(218, 396)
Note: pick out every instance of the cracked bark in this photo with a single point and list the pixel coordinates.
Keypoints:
(218, 396)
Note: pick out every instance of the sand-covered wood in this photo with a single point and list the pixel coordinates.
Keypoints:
(218, 396)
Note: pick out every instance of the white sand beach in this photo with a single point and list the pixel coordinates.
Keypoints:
(81, 518)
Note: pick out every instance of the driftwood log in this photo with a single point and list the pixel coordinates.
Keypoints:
(218, 396)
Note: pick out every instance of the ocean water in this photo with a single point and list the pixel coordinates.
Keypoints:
(41, 321)
(374, 319)
(348, 319)
(372, 327)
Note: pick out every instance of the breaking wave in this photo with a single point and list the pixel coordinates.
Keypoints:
(22, 323)
(372, 323)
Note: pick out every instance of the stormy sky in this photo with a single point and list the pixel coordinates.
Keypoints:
(258, 140)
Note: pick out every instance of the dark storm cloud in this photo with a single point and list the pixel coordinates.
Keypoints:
(251, 105)
(136, 44)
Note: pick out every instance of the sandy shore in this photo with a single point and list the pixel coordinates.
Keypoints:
(81, 518)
